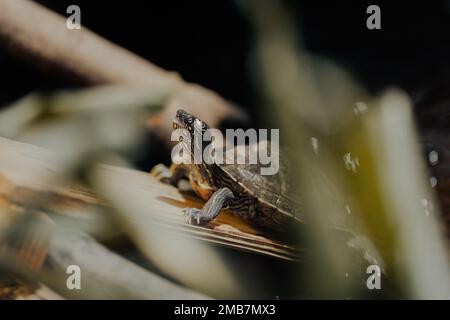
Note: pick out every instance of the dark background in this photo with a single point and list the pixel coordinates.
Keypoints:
(208, 42)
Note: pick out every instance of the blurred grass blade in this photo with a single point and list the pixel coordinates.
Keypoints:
(423, 261)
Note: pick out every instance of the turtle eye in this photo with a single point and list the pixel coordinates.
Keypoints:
(190, 120)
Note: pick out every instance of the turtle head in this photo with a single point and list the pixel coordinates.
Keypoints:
(189, 122)
(191, 137)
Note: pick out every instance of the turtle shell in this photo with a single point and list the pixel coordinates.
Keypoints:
(277, 199)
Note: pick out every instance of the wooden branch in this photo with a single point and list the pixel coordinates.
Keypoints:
(165, 204)
(104, 274)
(42, 293)
(40, 36)
(27, 170)
(150, 213)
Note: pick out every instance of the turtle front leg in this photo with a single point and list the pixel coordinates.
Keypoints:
(211, 208)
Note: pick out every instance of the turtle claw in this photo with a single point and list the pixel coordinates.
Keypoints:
(211, 208)
(195, 214)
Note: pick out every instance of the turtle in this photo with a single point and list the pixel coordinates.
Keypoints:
(263, 200)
